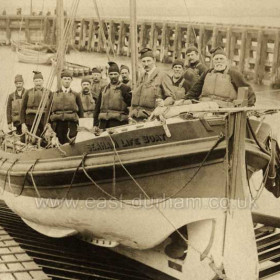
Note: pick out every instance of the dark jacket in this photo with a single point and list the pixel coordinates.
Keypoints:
(237, 81)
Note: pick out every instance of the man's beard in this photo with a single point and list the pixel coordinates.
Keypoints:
(114, 81)
(86, 90)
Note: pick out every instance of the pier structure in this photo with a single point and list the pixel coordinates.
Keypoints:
(253, 50)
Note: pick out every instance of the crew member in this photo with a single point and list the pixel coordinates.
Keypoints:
(98, 83)
(65, 110)
(194, 68)
(14, 105)
(112, 104)
(151, 91)
(125, 79)
(30, 103)
(221, 83)
(87, 99)
(180, 86)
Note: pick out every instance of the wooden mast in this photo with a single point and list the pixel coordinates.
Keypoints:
(60, 42)
(133, 38)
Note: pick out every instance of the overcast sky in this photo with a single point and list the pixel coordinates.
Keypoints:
(158, 8)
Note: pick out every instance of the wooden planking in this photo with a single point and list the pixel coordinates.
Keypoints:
(242, 44)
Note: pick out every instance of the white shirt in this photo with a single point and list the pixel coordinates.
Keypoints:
(19, 92)
(65, 89)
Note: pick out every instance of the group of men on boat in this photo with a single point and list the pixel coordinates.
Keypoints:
(113, 103)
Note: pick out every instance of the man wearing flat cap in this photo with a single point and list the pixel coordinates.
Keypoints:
(31, 101)
(87, 99)
(124, 72)
(151, 91)
(221, 83)
(112, 104)
(194, 68)
(98, 83)
(66, 110)
(14, 105)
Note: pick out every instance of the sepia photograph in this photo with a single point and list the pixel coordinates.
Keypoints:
(139, 140)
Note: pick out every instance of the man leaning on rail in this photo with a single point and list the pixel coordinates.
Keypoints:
(220, 83)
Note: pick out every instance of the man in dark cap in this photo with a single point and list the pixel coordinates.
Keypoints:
(180, 86)
(87, 99)
(31, 102)
(112, 104)
(194, 68)
(65, 110)
(14, 105)
(221, 83)
(98, 83)
(125, 79)
(151, 91)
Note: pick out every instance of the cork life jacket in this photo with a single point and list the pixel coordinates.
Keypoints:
(179, 91)
(34, 99)
(218, 87)
(64, 107)
(97, 88)
(16, 105)
(88, 104)
(144, 98)
(112, 104)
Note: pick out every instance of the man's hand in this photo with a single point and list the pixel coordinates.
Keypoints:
(24, 128)
(178, 102)
(159, 102)
(95, 130)
(10, 126)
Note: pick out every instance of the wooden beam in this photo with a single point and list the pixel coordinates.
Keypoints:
(228, 37)
(121, 38)
(258, 56)
(163, 44)
(201, 39)
(176, 53)
(188, 36)
(90, 35)
(242, 50)
(275, 62)
(8, 31)
(214, 37)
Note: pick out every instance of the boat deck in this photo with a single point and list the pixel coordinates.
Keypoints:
(26, 254)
